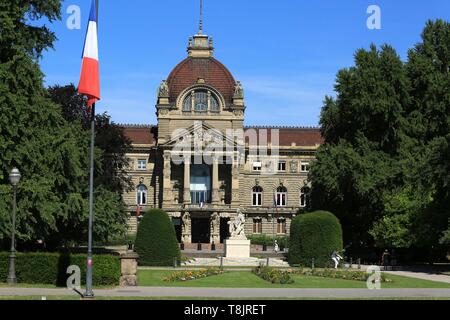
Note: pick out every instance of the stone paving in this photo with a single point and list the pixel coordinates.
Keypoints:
(241, 293)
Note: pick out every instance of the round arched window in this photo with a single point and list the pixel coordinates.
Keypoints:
(200, 101)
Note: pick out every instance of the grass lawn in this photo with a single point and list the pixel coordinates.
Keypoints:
(246, 279)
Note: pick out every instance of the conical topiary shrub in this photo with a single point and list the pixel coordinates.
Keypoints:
(314, 236)
(156, 241)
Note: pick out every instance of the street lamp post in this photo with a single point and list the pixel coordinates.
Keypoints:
(14, 179)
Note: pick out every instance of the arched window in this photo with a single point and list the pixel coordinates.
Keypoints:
(257, 193)
(141, 195)
(304, 197)
(200, 101)
(281, 196)
(187, 104)
(214, 105)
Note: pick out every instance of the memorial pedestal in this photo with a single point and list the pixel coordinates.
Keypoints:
(237, 248)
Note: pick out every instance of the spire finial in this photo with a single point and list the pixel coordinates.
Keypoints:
(200, 30)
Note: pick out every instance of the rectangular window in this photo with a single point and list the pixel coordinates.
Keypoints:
(142, 164)
(257, 226)
(282, 166)
(257, 199)
(257, 166)
(281, 226)
(305, 166)
(281, 199)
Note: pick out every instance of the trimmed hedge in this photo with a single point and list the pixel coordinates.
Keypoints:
(314, 235)
(264, 239)
(156, 240)
(50, 268)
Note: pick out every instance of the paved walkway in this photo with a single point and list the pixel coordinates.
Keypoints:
(422, 275)
(140, 292)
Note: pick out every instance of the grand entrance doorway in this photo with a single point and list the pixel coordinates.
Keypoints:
(178, 229)
(224, 229)
(201, 230)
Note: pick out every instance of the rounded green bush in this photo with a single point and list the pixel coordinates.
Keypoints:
(156, 240)
(315, 236)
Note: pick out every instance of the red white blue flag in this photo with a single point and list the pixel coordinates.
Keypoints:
(90, 76)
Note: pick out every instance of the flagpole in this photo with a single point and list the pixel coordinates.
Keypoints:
(273, 220)
(89, 269)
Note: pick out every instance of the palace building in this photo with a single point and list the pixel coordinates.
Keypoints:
(201, 164)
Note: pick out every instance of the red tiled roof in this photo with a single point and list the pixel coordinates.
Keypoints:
(215, 74)
(140, 134)
(301, 137)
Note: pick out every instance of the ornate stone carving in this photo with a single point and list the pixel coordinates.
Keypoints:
(163, 112)
(238, 113)
(164, 89)
(186, 232)
(215, 222)
(237, 226)
(294, 166)
(238, 91)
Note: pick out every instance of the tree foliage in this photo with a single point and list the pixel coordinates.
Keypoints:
(156, 241)
(111, 171)
(315, 236)
(50, 152)
(384, 168)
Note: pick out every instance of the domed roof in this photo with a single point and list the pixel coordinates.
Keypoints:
(187, 73)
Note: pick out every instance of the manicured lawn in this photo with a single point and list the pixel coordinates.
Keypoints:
(245, 279)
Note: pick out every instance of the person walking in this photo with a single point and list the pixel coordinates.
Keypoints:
(336, 258)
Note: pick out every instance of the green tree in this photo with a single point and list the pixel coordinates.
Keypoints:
(384, 166)
(362, 128)
(111, 171)
(429, 118)
(34, 136)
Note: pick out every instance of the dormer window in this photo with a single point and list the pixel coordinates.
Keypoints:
(200, 101)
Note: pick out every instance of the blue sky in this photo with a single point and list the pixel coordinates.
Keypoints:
(285, 52)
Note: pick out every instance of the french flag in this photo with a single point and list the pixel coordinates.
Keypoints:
(90, 76)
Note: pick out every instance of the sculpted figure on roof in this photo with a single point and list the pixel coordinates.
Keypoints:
(238, 90)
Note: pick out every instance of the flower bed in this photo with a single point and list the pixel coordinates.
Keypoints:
(337, 274)
(273, 275)
(187, 275)
(278, 276)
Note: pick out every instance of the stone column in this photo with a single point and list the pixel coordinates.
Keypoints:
(187, 180)
(215, 181)
(167, 188)
(235, 199)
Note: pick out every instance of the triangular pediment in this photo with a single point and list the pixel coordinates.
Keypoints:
(200, 133)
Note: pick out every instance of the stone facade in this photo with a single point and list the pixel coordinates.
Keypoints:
(178, 166)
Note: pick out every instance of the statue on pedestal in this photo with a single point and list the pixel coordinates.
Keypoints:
(164, 89)
(237, 231)
(238, 90)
